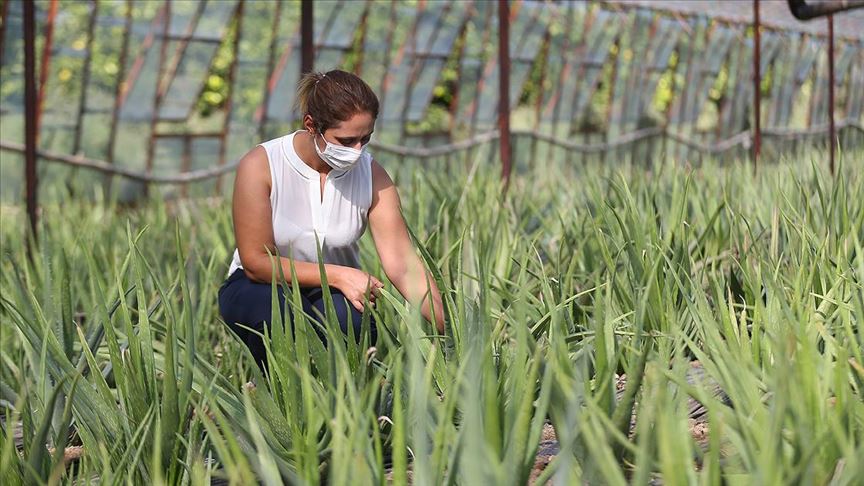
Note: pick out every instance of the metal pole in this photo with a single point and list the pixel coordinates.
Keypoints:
(30, 103)
(45, 64)
(142, 49)
(85, 77)
(118, 93)
(229, 102)
(504, 87)
(416, 64)
(363, 28)
(4, 13)
(307, 37)
(271, 65)
(757, 86)
(472, 105)
(159, 92)
(182, 44)
(832, 134)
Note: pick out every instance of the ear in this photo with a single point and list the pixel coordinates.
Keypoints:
(309, 124)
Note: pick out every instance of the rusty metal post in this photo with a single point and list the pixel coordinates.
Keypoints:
(415, 63)
(30, 104)
(118, 94)
(388, 54)
(4, 12)
(159, 93)
(183, 41)
(504, 87)
(757, 86)
(363, 28)
(832, 129)
(229, 101)
(271, 65)
(45, 65)
(307, 37)
(85, 78)
(142, 48)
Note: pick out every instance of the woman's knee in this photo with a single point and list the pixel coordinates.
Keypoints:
(244, 301)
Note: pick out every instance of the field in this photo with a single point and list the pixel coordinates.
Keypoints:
(114, 353)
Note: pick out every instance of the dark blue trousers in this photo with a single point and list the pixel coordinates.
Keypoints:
(243, 302)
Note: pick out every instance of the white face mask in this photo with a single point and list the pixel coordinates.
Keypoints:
(338, 157)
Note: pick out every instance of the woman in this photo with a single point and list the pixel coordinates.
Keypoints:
(319, 181)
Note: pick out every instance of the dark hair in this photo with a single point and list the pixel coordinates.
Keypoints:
(334, 97)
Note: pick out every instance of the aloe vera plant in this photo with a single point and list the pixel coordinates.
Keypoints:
(583, 306)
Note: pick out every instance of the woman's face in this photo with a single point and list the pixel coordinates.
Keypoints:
(353, 132)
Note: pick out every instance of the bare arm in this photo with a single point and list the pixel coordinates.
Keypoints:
(398, 256)
(253, 230)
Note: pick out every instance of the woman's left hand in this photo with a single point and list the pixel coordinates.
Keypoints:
(357, 286)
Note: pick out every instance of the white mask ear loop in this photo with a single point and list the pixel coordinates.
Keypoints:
(319, 150)
(315, 141)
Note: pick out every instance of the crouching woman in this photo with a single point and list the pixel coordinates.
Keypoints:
(319, 186)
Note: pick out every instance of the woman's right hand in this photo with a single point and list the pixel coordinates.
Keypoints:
(357, 286)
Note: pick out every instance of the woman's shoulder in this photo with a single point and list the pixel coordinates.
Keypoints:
(380, 177)
(255, 157)
(277, 143)
(255, 166)
(381, 183)
(262, 158)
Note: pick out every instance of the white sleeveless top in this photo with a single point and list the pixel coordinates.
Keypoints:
(299, 212)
